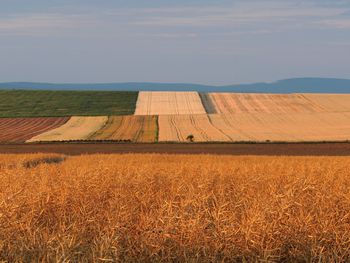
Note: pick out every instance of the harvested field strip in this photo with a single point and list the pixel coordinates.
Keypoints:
(128, 128)
(226, 103)
(254, 127)
(15, 130)
(284, 127)
(176, 128)
(77, 128)
(166, 103)
(330, 102)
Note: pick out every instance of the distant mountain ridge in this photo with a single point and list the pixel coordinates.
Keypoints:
(295, 85)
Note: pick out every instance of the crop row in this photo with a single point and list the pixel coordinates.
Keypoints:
(250, 127)
(190, 116)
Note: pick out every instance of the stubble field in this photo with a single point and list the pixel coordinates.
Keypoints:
(255, 127)
(77, 128)
(198, 208)
(282, 127)
(173, 117)
(166, 103)
(331, 102)
(176, 128)
(128, 128)
(227, 103)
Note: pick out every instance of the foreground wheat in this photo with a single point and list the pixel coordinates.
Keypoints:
(174, 208)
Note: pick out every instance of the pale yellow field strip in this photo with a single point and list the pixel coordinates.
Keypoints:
(331, 102)
(166, 103)
(176, 128)
(284, 127)
(227, 103)
(77, 128)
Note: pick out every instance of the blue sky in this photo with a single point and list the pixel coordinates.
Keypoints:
(200, 41)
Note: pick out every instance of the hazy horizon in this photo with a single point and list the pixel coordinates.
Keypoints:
(185, 83)
(206, 42)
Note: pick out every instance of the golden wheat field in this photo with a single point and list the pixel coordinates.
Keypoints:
(151, 208)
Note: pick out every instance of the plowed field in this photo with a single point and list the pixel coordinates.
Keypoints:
(77, 128)
(14, 130)
(130, 128)
(177, 127)
(271, 149)
(164, 103)
(226, 103)
(284, 127)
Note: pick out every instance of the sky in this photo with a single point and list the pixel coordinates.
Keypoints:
(213, 42)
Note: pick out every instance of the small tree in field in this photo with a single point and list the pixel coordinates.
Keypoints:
(190, 138)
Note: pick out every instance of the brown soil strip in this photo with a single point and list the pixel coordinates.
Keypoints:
(296, 149)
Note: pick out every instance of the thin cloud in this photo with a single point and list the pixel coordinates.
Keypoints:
(228, 16)
(336, 23)
(345, 44)
(172, 35)
(34, 24)
(262, 16)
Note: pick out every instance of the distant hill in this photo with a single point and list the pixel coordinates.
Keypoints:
(296, 85)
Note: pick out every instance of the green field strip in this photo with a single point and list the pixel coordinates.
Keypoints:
(30, 103)
(157, 129)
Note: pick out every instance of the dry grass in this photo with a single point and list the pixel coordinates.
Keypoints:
(175, 208)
